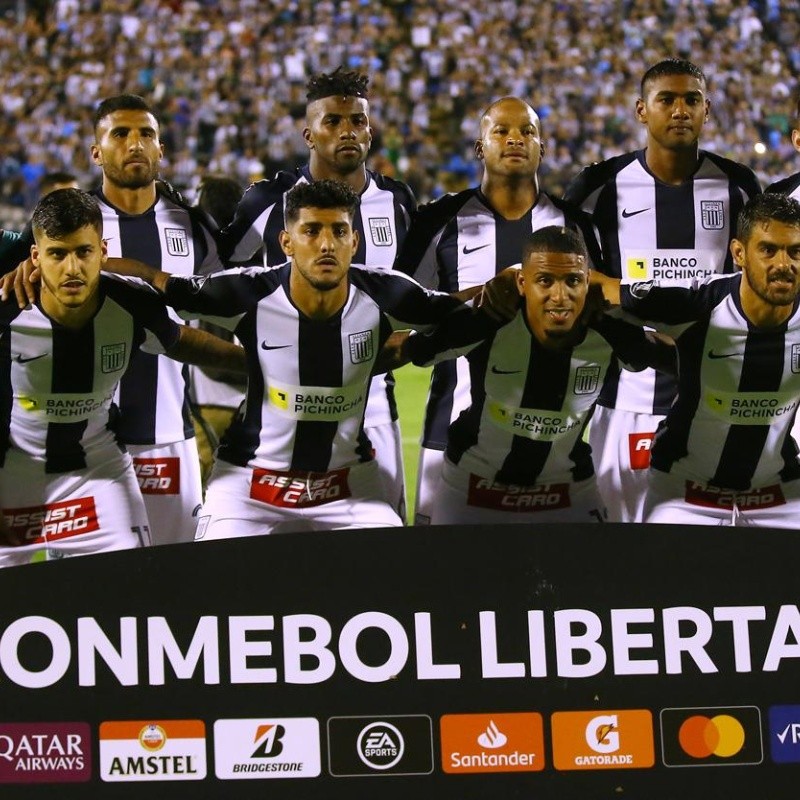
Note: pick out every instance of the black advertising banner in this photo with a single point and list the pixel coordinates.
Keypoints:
(556, 662)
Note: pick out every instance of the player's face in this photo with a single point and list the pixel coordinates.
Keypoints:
(674, 110)
(510, 142)
(770, 260)
(338, 132)
(321, 244)
(554, 286)
(70, 267)
(128, 148)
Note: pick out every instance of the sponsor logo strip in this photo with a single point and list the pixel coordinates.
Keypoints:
(153, 750)
(158, 475)
(299, 489)
(712, 497)
(54, 521)
(484, 493)
(639, 446)
(254, 749)
(603, 740)
(784, 734)
(492, 742)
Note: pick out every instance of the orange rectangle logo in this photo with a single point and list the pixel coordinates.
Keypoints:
(138, 729)
(603, 739)
(492, 742)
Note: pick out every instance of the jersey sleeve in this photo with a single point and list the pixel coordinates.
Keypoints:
(634, 348)
(459, 332)
(149, 313)
(223, 298)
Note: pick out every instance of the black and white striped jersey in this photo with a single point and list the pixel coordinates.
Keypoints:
(307, 379)
(790, 186)
(57, 383)
(152, 396)
(738, 387)
(674, 235)
(530, 404)
(381, 220)
(457, 242)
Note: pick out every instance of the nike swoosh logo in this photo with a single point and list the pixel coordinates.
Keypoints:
(782, 736)
(21, 360)
(467, 250)
(505, 371)
(626, 213)
(265, 346)
(712, 354)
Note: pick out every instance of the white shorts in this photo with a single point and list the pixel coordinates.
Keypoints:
(252, 502)
(169, 480)
(621, 442)
(387, 442)
(72, 514)
(429, 484)
(466, 499)
(673, 500)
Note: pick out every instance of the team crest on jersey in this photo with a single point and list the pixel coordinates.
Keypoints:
(712, 214)
(177, 241)
(361, 348)
(112, 357)
(796, 358)
(586, 379)
(381, 231)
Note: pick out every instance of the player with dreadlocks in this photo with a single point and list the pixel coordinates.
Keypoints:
(338, 136)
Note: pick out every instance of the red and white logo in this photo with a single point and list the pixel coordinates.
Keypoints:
(299, 489)
(158, 475)
(53, 521)
(484, 493)
(640, 445)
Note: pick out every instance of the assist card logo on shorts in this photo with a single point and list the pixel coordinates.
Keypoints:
(267, 748)
(401, 745)
(45, 752)
(157, 750)
(603, 740)
(639, 447)
(511, 742)
(711, 737)
(784, 734)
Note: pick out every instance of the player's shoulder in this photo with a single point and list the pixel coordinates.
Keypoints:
(270, 190)
(597, 175)
(785, 185)
(444, 208)
(737, 172)
(401, 191)
(569, 209)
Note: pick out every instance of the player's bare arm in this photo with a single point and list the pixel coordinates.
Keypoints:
(203, 349)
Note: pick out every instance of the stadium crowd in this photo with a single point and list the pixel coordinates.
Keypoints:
(227, 80)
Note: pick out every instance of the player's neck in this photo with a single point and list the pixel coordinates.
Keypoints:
(356, 180)
(131, 201)
(671, 166)
(510, 198)
(761, 313)
(316, 303)
(69, 317)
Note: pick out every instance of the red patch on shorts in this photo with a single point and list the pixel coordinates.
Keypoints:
(710, 497)
(639, 445)
(484, 493)
(53, 521)
(299, 489)
(158, 475)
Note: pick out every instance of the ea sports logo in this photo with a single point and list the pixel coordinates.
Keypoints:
(380, 745)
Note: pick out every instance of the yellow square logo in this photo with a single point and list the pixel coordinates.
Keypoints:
(637, 269)
(278, 397)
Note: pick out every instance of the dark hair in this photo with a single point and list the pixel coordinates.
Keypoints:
(319, 194)
(672, 66)
(554, 239)
(65, 211)
(120, 102)
(765, 208)
(53, 179)
(218, 197)
(336, 84)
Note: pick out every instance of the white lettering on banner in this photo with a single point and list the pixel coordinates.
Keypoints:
(625, 641)
(532, 423)
(670, 267)
(324, 403)
(751, 408)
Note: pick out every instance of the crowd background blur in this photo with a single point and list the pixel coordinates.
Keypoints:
(228, 80)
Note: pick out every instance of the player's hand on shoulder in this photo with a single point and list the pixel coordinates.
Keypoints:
(23, 282)
(499, 297)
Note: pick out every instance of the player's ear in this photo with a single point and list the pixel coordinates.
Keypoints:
(521, 281)
(737, 251)
(308, 139)
(479, 149)
(796, 139)
(356, 240)
(641, 111)
(103, 251)
(34, 255)
(97, 158)
(286, 243)
(708, 110)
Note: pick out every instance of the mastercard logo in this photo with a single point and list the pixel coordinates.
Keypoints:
(700, 737)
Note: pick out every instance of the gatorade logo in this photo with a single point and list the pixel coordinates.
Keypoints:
(704, 737)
